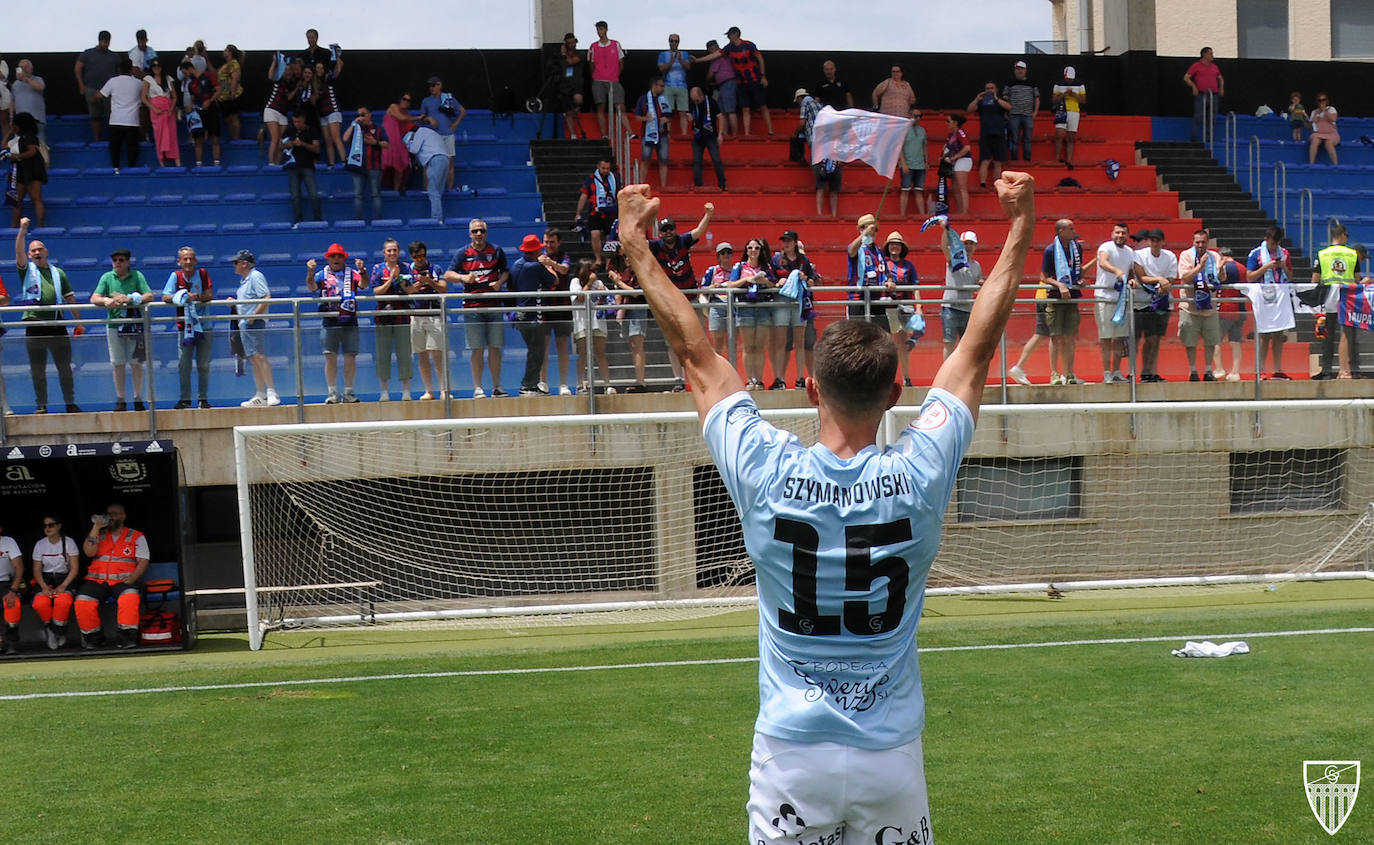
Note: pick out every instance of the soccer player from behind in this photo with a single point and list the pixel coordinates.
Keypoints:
(842, 536)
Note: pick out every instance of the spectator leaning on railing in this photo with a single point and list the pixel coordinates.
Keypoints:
(189, 289)
(252, 325)
(124, 292)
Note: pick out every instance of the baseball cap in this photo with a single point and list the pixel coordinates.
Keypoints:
(335, 249)
(789, 235)
(734, 30)
(713, 43)
(1070, 73)
(121, 253)
(667, 223)
(1020, 64)
(1143, 234)
(723, 246)
(245, 255)
(970, 236)
(1156, 233)
(799, 93)
(531, 243)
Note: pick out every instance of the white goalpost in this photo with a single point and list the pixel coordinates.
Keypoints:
(591, 518)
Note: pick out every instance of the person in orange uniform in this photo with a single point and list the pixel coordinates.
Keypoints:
(119, 555)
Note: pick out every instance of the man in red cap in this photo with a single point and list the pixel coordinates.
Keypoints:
(339, 329)
(531, 272)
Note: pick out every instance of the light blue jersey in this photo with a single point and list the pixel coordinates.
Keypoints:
(842, 548)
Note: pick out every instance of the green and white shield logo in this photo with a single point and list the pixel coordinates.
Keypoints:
(1332, 786)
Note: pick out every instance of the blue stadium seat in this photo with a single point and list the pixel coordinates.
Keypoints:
(274, 258)
(59, 202)
(124, 230)
(137, 170)
(314, 226)
(79, 264)
(240, 169)
(162, 229)
(485, 163)
(86, 231)
(200, 229)
(238, 228)
(240, 196)
(274, 226)
(159, 262)
(171, 171)
(423, 223)
(167, 199)
(387, 223)
(350, 225)
(69, 145)
(62, 173)
(94, 199)
(275, 196)
(207, 168)
(203, 199)
(489, 192)
(130, 199)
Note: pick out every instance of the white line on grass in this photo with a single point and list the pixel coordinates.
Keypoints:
(649, 665)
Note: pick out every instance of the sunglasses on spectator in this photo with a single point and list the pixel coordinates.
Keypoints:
(477, 231)
(121, 259)
(405, 99)
(51, 524)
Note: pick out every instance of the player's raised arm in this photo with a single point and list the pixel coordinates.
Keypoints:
(965, 371)
(711, 376)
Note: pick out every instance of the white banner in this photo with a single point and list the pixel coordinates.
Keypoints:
(857, 135)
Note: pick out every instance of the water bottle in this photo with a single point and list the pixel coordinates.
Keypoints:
(710, 241)
(465, 136)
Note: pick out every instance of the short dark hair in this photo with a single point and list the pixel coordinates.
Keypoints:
(1204, 51)
(126, 65)
(552, 232)
(1119, 225)
(142, 33)
(103, 36)
(314, 32)
(958, 118)
(1197, 232)
(417, 246)
(600, 24)
(1274, 233)
(1337, 230)
(856, 365)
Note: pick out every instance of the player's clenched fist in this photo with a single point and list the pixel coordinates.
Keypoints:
(1016, 190)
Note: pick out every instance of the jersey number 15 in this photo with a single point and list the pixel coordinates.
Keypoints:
(859, 574)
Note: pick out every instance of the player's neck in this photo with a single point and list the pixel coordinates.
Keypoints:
(846, 437)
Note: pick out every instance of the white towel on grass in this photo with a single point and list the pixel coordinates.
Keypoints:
(1207, 648)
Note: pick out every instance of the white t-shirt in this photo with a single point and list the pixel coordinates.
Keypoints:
(1164, 266)
(54, 558)
(1121, 257)
(125, 95)
(10, 550)
(1272, 304)
(580, 313)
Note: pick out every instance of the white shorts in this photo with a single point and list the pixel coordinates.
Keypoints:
(1070, 123)
(450, 146)
(963, 164)
(426, 333)
(332, 117)
(274, 116)
(827, 792)
(1104, 309)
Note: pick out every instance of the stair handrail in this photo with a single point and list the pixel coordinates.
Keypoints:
(1209, 116)
(1281, 199)
(1252, 170)
(1232, 156)
(1305, 221)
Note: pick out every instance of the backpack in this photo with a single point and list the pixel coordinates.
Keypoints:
(159, 627)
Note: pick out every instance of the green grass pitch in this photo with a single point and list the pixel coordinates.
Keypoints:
(1073, 743)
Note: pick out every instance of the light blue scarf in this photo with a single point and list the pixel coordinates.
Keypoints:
(1063, 272)
(355, 149)
(1205, 282)
(192, 326)
(958, 256)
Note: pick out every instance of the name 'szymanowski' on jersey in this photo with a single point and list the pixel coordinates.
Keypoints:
(842, 548)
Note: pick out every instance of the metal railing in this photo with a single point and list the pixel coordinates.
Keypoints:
(1229, 142)
(1252, 170)
(156, 321)
(1305, 234)
(1281, 193)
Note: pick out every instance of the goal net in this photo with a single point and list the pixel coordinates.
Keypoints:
(624, 515)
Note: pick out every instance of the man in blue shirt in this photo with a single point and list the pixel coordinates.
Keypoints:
(442, 112)
(842, 536)
(529, 274)
(674, 64)
(430, 151)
